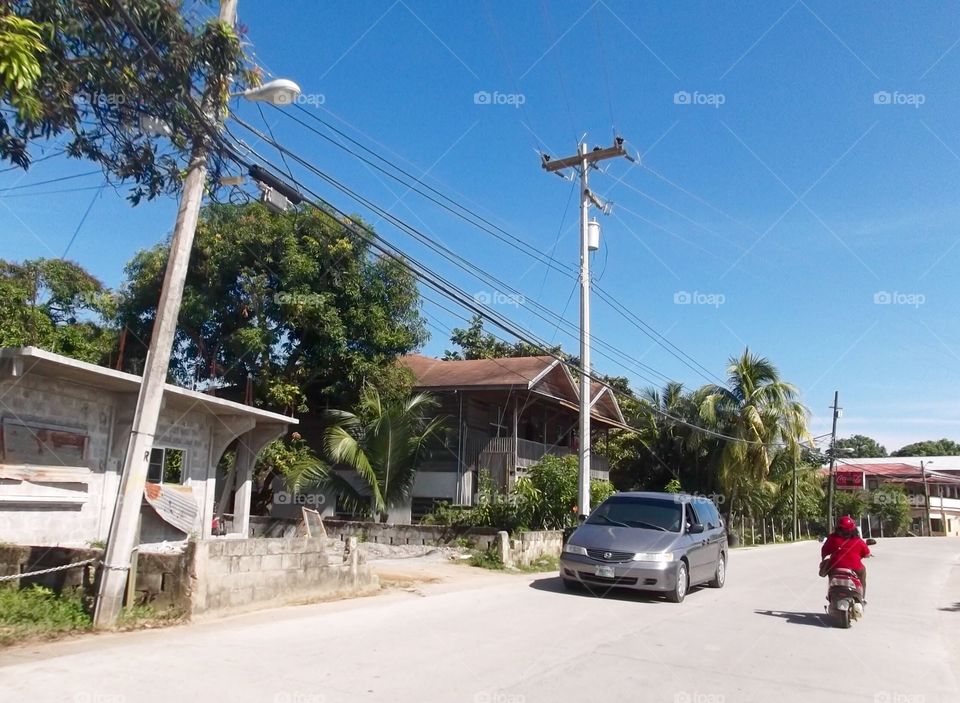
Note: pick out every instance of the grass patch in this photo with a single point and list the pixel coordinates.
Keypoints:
(486, 559)
(27, 613)
(545, 563)
(145, 616)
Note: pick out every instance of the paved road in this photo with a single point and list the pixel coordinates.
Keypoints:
(513, 639)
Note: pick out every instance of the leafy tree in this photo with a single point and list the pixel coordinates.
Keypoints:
(889, 502)
(930, 447)
(384, 443)
(475, 343)
(757, 409)
(92, 71)
(846, 502)
(861, 446)
(55, 305)
(293, 301)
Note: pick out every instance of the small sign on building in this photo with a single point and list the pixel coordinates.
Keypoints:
(849, 479)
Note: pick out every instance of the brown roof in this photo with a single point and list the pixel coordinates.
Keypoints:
(544, 375)
(511, 372)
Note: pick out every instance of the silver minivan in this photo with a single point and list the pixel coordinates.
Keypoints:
(667, 542)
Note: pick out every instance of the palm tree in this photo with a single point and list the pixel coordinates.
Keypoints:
(759, 411)
(384, 443)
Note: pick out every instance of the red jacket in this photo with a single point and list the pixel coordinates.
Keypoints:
(847, 552)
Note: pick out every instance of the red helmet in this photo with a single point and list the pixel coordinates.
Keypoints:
(846, 524)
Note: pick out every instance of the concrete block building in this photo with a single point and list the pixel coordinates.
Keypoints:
(64, 427)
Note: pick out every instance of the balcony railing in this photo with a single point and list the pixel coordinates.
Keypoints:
(496, 455)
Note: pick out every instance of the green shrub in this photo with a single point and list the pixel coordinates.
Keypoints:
(39, 611)
(486, 559)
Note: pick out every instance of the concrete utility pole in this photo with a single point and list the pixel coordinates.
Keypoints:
(123, 535)
(833, 458)
(585, 160)
(926, 498)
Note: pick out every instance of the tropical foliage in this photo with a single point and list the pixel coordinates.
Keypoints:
(544, 499)
(860, 446)
(382, 444)
(56, 305)
(294, 301)
(930, 447)
(90, 72)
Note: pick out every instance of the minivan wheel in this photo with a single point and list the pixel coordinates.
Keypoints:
(679, 591)
(721, 575)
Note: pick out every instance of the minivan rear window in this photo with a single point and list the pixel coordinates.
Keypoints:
(638, 512)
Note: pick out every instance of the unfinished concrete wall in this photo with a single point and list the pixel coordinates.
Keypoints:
(435, 535)
(528, 547)
(235, 574)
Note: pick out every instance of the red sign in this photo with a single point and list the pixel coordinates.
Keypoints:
(848, 479)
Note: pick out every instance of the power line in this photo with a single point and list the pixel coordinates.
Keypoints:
(457, 259)
(49, 181)
(511, 239)
(446, 288)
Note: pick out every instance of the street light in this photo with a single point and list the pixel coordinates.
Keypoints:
(123, 535)
(276, 92)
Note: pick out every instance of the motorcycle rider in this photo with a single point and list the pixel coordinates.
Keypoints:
(844, 549)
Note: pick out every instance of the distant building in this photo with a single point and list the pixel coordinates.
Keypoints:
(942, 482)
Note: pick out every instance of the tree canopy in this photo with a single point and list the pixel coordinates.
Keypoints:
(55, 305)
(476, 343)
(861, 446)
(294, 301)
(98, 72)
(930, 447)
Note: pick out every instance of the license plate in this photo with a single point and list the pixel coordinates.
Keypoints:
(605, 572)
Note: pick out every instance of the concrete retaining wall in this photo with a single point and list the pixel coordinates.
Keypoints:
(210, 575)
(528, 547)
(236, 573)
(433, 535)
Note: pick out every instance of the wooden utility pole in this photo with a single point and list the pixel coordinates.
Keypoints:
(585, 160)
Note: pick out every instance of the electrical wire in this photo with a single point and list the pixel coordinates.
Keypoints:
(3, 191)
(509, 239)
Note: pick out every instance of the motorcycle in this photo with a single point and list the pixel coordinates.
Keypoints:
(844, 593)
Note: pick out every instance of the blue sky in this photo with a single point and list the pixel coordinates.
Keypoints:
(798, 181)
